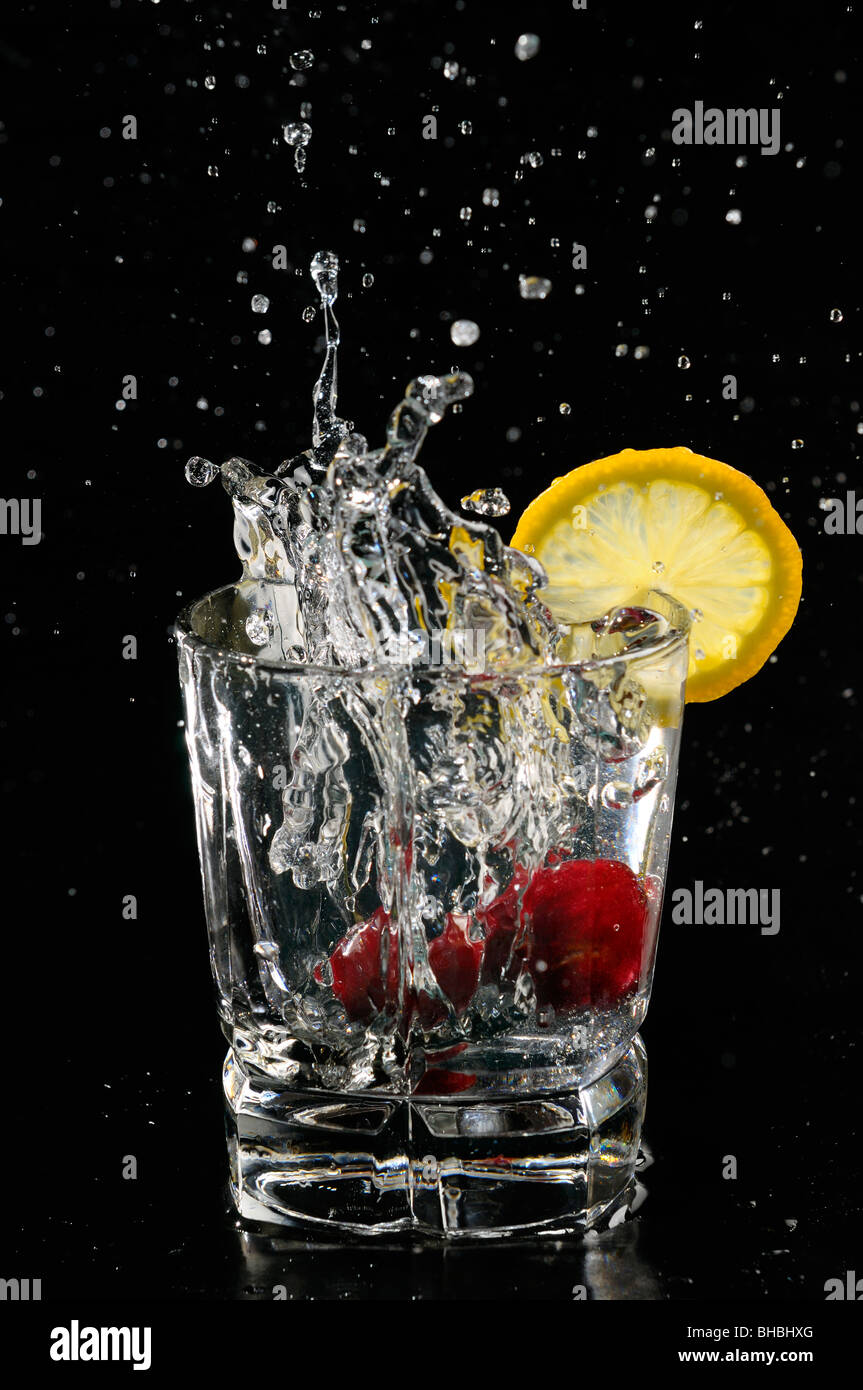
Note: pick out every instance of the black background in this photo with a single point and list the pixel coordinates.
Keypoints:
(121, 257)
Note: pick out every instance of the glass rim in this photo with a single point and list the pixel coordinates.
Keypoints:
(677, 635)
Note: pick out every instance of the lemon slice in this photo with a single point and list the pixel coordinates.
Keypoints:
(669, 519)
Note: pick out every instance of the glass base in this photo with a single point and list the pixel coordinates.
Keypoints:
(374, 1164)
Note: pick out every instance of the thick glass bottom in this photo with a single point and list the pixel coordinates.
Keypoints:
(447, 1168)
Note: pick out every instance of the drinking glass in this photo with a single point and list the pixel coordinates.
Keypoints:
(432, 894)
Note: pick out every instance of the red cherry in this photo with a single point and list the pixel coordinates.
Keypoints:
(358, 980)
(455, 961)
(586, 922)
(500, 924)
(438, 1082)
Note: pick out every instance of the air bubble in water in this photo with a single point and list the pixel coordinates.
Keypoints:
(683, 363)
(836, 316)
(259, 627)
(565, 408)
(464, 332)
(302, 59)
(491, 197)
(368, 280)
(534, 287)
(617, 795)
(200, 472)
(260, 304)
(797, 443)
(308, 313)
(526, 46)
(489, 501)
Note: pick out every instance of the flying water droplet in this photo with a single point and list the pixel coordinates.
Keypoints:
(534, 287)
(260, 303)
(526, 47)
(836, 316)
(297, 133)
(734, 216)
(200, 472)
(491, 197)
(302, 59)
(464, 332)
(683, 363)
(490, 501)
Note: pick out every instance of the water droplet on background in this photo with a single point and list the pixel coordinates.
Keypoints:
(534, 287)
(464, 332)
(200, 472)
(490, 501)
(526, 47)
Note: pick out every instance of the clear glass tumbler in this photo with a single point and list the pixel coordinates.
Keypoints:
(432, 895)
